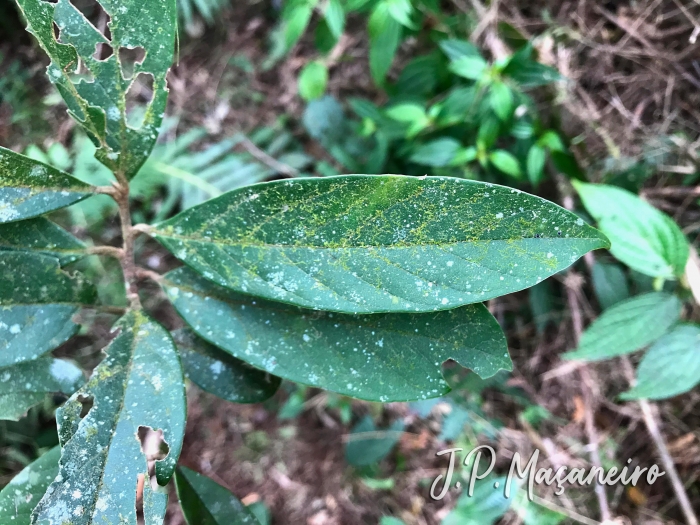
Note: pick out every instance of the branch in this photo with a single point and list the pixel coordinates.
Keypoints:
(266, 159)
(121, 196)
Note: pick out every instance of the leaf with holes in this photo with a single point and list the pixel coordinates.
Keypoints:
(20, 496)
(644, 238)
(29, 188)
(216, 372)
(140, 50)
(670, 367)
(139, 384)
(205, 502)
(366, 244)
(25, 384)
(390, 357)
(37, 302)
(42, 236)
(628, 326)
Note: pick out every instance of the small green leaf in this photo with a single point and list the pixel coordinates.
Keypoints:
(628, 326)
(205, 502)
(471, 67)
(485, 506)
(37, 301)
(536, 158)
(216, 372)
(26, 384)
(391, 357)
(488, 131)
(644, 238)
(139, 384)
(456, 49)
(313, 80)
(400, 10)
(609, 284)
(409, 113)
(384, 38)
(335, 17)
(437, 153)
(367, 444)
(42, 236)
(551, 141)
(296, 17)
(29, 188)
(99, 103)
(567, 164)
(670, 367)
(501, 100)
(506, 162)
(20, 496)
(527, 72)
(364, 244)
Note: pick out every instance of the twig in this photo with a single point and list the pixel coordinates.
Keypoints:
(266, 159)
(651, 421)
(121, 196)
(143, 273)
(109, 251)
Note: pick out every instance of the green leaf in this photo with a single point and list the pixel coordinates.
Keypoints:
(37, 301)
(99, 102)
(26, 384)
(313, 80)
(42, 236)
(551, 141)
(567, 164)
(485, 506)
(363, 244)
(384, 38)
(400, 10)
(390, 520)
(20, 496)
(296, 17)
(29, 188)
(501, 100)
(456, 49)
(540, 299)
(205, 502)
(644, 238)
(437, 153)
(367, 444)
(527, 72)
(628, 326)
(609, 284)
(139, 384)
(506, 162)
(335, 17)
(536, 158)
(471, 67)
(390, 357)
(670, 367)
(216, 372)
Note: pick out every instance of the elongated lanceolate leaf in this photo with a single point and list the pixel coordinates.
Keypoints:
(139, 384)
(205, 502)
(670, 367)
(218, 373)
(20, 496)
(644, 238)
(42, 236)
(390, 357)
(628, 326)
(37, 301)
(99, 101)
(364, 244)
(29, 188)
(24, 385)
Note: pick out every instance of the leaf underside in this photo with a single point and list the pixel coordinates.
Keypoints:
(37, 301)
(99, 102)
(384, 357)
(205, 502)
(218, 373)
(26, 384)
(20, 496)
(29, 188)
(139, 384)
(366, 244)
(628, 326)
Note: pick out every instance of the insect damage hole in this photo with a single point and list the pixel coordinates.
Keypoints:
(102, 51)
(155, 448)
(95, 14)
(129, 58)
(86, 403)
(138, 98)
